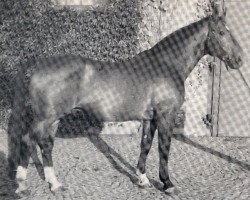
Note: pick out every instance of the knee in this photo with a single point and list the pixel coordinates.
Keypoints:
(145, 150)
(26, 139)
(46, 144)
(25, 142)
(167, 107)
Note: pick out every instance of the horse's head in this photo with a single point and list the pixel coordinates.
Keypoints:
(221, 43)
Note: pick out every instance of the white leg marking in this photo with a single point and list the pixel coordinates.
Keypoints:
(143, 179)
(50, 177)
(170, 190)
(21, 176)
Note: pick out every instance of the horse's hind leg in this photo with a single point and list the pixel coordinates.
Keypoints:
(46, 144)
(19, 145)
(149, 128)
(25, 152)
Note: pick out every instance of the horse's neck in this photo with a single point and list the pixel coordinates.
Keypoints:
(194, 51)
(183, 49)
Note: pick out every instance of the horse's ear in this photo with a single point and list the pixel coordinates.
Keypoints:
(217, 10)
(224, 12)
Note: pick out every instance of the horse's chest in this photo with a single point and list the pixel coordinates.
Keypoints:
(165, 91)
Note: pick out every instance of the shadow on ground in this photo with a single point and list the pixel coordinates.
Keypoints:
(82, 124)
(229, 159)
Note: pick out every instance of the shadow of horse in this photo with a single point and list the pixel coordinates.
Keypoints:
(84, 124)
(229, 159)
(81, 123)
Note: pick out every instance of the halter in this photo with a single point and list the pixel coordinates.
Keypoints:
(225, 58)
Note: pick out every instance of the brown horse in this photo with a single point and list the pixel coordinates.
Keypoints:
(148, 88)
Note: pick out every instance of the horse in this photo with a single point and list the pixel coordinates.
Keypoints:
(148, 88)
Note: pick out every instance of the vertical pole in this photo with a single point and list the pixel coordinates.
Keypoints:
(210, 97)
(218, 103)
(215, 98)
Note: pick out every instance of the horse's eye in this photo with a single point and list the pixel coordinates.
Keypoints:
(222, 33)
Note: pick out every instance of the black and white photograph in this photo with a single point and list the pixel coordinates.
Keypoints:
(124, 99)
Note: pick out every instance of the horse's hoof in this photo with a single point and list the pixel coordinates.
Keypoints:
(170, 190)
(22, 192)
(58, 192)
(143, 180)
(144, 184)
(22, 187)
(55, 187)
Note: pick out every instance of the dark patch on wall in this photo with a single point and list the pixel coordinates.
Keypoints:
(30, 29)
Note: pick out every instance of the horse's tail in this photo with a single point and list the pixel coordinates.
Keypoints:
(20, 122)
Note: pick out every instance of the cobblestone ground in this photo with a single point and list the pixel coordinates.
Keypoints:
(103, 168)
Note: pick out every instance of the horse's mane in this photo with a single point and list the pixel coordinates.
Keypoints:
(181, 34)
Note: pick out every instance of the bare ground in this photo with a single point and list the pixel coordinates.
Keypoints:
(103, 167)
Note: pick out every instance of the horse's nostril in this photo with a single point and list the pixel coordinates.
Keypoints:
(239, 60)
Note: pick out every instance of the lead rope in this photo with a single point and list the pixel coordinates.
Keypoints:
(212, 97)
(244, 80)
(218, 107)
(242, 77)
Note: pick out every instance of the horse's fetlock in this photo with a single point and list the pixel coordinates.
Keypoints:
(51, 178)
(26, 139)
(167, 185)
(21, 173)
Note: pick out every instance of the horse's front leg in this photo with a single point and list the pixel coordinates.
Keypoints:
(46, 144)
(165, 125)
(148, 131)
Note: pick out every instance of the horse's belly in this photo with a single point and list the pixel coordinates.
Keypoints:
(110, 106)
(115, 102)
